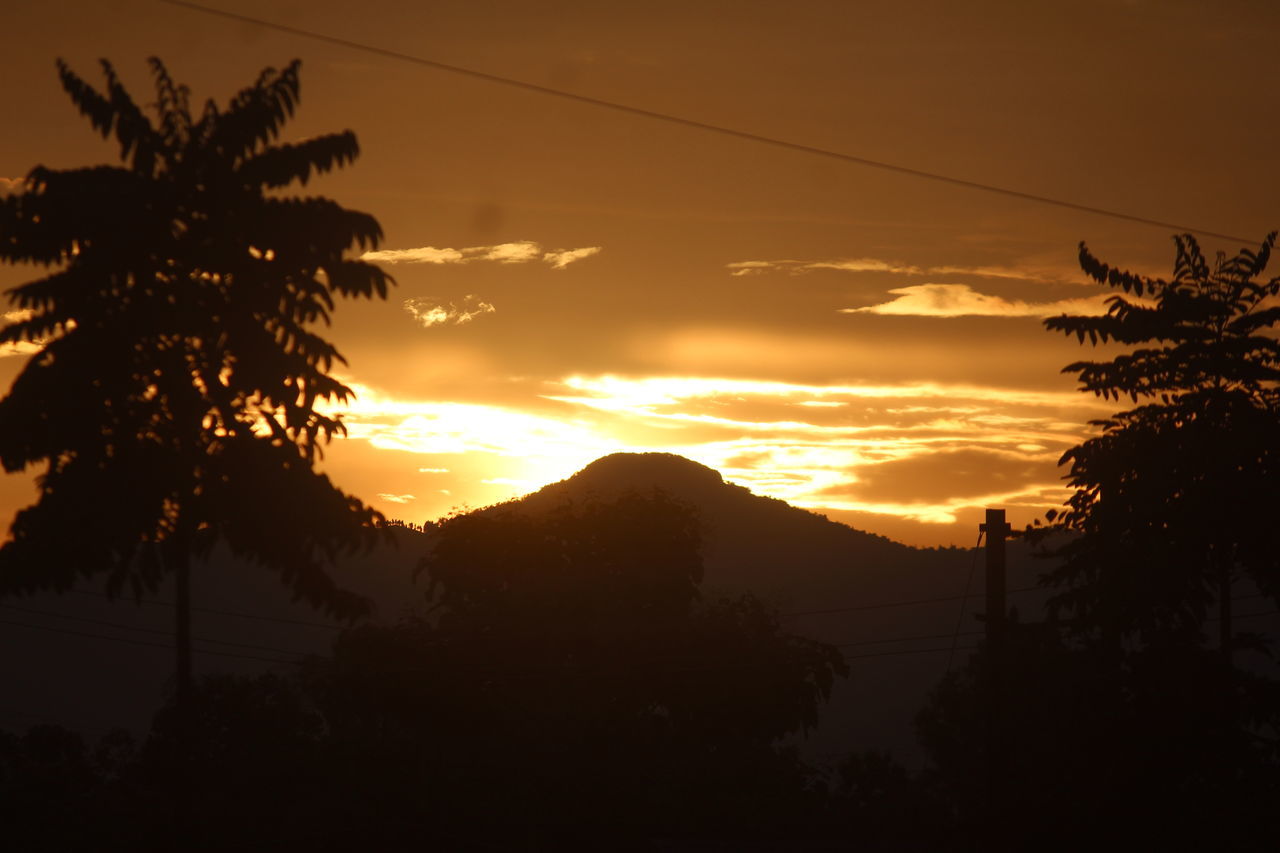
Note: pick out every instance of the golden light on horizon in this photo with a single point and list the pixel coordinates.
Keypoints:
(917, 451)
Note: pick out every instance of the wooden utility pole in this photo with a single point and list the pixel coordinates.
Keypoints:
(996, 531)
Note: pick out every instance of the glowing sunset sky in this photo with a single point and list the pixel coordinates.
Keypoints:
(575, 281)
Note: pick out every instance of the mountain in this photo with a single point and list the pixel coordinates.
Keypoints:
(830, 582)
(118, 656)
(792, 557)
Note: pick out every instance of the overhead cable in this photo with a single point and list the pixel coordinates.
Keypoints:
(709, 127)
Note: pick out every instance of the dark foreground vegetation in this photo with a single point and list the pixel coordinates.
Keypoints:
(568, 684)
(569, 688)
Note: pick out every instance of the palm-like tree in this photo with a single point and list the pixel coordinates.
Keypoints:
(1176, 498)
(174, 400)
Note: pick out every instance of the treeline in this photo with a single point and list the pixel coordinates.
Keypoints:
(568, 687)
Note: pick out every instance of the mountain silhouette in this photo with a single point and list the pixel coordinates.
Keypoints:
(830, 582)
(793, 559)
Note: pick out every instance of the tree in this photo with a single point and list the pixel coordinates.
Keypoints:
(1175, 498)
(1146, 749)
(570, 677)
(174, 399)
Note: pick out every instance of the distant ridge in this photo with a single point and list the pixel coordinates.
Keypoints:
(789, 555)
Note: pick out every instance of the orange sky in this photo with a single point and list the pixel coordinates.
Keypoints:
(574, 281)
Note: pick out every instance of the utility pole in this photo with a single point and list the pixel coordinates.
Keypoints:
(996, 531)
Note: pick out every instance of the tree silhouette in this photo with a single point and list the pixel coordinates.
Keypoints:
(1146, 749)
(174, 400)
(571, 682)
(1176, 497)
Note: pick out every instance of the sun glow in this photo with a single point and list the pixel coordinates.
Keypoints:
(919, 451)
(542, 449)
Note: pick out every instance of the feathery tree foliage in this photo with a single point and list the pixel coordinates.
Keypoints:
(1177, 497)
(173, 400)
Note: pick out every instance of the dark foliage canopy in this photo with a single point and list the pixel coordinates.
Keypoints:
(173, 400)
(571, 672)
(1170, 750)
(1178, 495)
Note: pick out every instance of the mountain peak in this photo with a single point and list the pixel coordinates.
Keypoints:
(621, 471)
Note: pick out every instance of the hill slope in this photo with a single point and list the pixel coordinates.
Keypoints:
(117, 654)
(792, 557)
(830, 582)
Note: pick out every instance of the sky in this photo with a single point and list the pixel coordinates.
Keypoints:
(574, 281)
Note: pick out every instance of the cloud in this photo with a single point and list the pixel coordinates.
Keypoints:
(562, 258)
(875, 452)
(960, 300)
(992, 272)
(947, 475)
(510, 253)
(424, 255)
(924, 451)
(397, 499)
(795, 267)
(641, 394)
(520, 252)
(430, 312)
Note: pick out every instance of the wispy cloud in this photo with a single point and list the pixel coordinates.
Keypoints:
(432, 312)
(397, 499)
(562, 258)
(960, 300)
(520, 252)
(508, 253)
(846, 264)
(797, 267)
(993, 272)
(423, 255)
(922, 451)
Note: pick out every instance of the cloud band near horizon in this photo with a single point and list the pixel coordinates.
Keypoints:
(960, 300)
(520, 252)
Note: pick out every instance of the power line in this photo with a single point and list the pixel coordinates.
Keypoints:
(947, 636)
(164, 646)
(904, 603)
(698, 125)
(950, 648)
(956, 633)
(240, 614)
(973, 567)
(1237, 617)
(854, 608)
(909, 652)
(120, 627)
